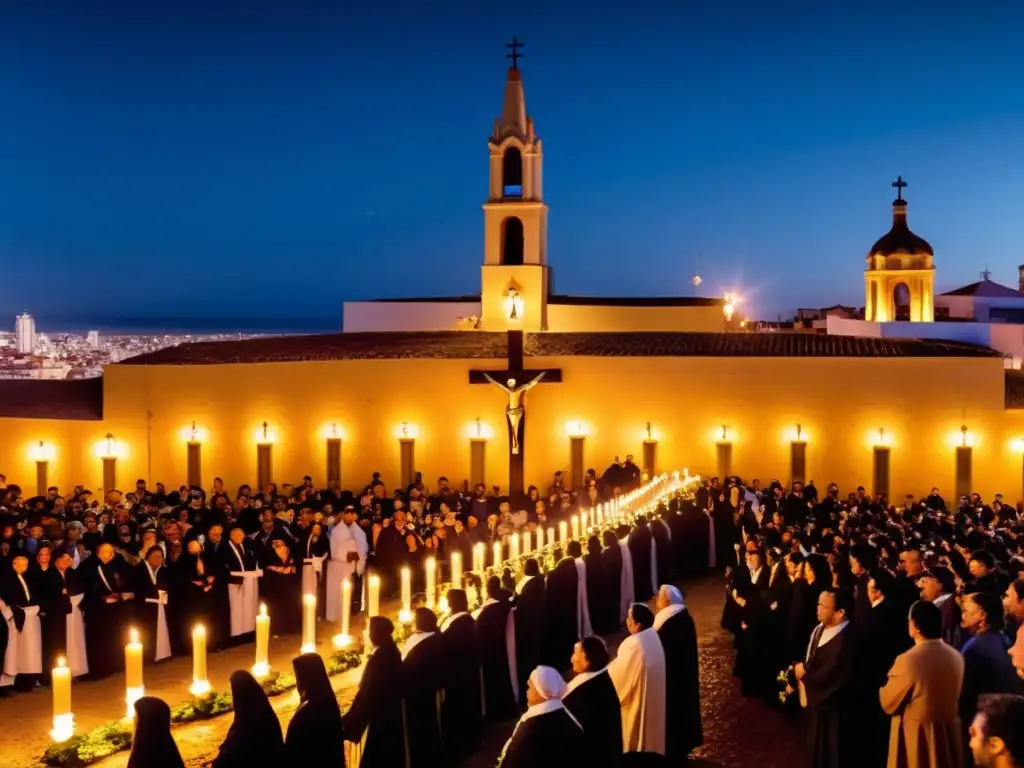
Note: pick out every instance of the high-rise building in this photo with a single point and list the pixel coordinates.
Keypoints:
(25, 331)
(94, 339)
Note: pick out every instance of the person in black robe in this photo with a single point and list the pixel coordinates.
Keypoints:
(461, 715)
(664, 556)
(640, 552)
(829, 678)
(376, 710)
(195, 599)
(591, 698)
(314, 543)
(147, 614)
(530, 608)
(726, 531)
(546, 735)
(814, 575)
(754, 638)
(47, 584)
(611, 587)
(560, 626)
(215, 554)
(421, 677)
(108, 610)
(597, 600)
(491, 626)
(281, 586)
(678, 636)
(254, 737)
(316, 732)
(152, 743)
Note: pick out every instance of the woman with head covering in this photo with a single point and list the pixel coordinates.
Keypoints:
(591, 698)
(546, 734)
(315, 733)
(376, 712)
(255, 735)
(421, 675)
(281, 585)
(152, 744)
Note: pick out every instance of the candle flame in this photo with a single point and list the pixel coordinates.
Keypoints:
(199, 630)
(375, 581)
(263, 609)
(133, 635)
(309, 599)
(347, 585)
(405, 570)
(431, 563)
(61, 662)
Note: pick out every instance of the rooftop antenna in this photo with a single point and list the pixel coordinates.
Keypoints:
(985, 274)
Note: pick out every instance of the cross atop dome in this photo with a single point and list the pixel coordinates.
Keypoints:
(514, 46)
(900, 185)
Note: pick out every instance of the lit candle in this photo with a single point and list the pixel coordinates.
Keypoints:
(513, 547)
(344, 639)
(599, 514)
(563, 531)
(374, 597)
(200, 683)
(479, 552)
(133, 671)
(497, 554)
(456, 564)
(526, 542)
(431, 582)
(405, 615)
(261, 668)
(551, 536)
(540, 537)
(63, 720)
(442, 606)
(575, 527)
(583, 521)
(308, 624)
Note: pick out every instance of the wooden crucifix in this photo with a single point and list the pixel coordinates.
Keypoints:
(515, 381)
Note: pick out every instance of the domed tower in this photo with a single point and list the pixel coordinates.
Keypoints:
(515, 275)
(899, 262)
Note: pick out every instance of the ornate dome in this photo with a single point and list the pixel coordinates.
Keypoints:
(899, 239)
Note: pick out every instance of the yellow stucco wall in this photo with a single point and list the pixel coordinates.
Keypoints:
(839, 402)
(566, 318)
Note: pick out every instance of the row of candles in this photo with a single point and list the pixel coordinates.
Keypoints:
(522, 544)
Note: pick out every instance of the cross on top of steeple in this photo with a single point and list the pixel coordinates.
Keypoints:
(514, 46)
(899, 184)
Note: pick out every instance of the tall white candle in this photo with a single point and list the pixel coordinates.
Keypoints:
(405, 615)
(575, 527)
(261, 668)
(540, 537)
(551, 536)
(308, 624)
(200, 683)
(479, 553)
(373, 609)
(526, 541)
(513, 547)
(563, 531)
(456, 563)
(134, 689)
(431, 567)
(63, 720)
(343, 639)
(497, 554)
(583, 522)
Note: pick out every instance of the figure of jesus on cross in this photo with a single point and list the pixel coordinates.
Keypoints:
(514, 409)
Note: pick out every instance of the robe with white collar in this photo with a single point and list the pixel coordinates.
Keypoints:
(638, 672)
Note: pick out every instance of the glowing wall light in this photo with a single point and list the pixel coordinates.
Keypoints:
(724, 436)
(576, 428)
(514, 304)
(880, 437)
(650, 456)
(964, 462)
(42, 453)
(407, 434)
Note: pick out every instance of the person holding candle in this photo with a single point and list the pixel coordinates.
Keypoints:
(108, 610)
(254, 737)
(152, 743)
(281, 586)
(315, 734)
(376, 711)
(461, 712)
(422, 665)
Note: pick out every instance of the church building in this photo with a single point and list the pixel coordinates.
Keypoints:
(510, 385)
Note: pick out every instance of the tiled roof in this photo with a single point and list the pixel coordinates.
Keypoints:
(988, 289)
(670, 344)
(78, 399)
(1014, 389)
(332, 346)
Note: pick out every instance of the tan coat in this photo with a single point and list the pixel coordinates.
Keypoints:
(922, 695)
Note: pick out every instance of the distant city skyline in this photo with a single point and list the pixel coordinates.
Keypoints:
(189, 164)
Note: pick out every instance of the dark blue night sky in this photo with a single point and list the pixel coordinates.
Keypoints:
(229, 160)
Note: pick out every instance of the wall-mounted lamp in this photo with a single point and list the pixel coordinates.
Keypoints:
(109, 463)
(650, 436)
(333, 437)
(799, 432)
(193, 434)
(109, 447)
(963, 436)
(725, 432)
(42, 457)
(514, 305)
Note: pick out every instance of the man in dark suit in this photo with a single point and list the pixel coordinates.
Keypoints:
(938, 586)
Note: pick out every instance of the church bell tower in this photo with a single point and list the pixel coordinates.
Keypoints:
(515, 275)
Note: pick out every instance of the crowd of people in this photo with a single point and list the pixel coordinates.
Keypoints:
(892, 630)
